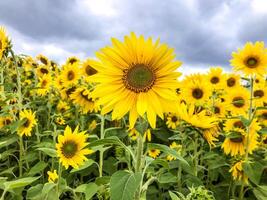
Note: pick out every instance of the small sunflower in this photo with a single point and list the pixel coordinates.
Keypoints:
(42, 70)
(259, 95)
(5, 121)
(232, 81)
(82, 97)
(237, 101)
(62, 106)
(238, 172)
(133, 134)
(87, 69)
(72, 60)
(216, 78)
(71, 148)
(60, 120)
(172, 120)
(3, 41)
(154, 153)
(44, 84)
(29, 122)
(43, 59)
(138, 77)
(252, 59)
(52, 176)
(176, 147)
(70, 75)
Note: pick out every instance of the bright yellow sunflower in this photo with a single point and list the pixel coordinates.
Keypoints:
(52, 176)
(238, 172)
(3, 41)
(87, 69)
(172, 120)
(216, 78)
(5, 121)
(176, 147)
(136, 76)
(259, 95)
(72, 60)
(232, 81)
(43, 59)
(42, 70)
(237, 101)
(44, 84)
(82, 97)
(71, 148)
(70, 74)
(154, 153)
(260, 80)
(29, 122)
(218, 108)
(252, 59)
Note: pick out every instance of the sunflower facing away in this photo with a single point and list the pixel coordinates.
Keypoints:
(3, 41)
(137, 76)
(71, 148)
(238, 172)
(252, 59)
(29, 122)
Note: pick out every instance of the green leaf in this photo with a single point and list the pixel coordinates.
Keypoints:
(85, 165)
(260, 192)
(253, 171)
(173, 196)
(22, 182)
(89, 190)
(5, 141)
(263, 130)
(123, 185)
(102, 180)
(47, 190)
(48, 151)
(168, 151)
(34, 192)
(39, 167)
(167, 178)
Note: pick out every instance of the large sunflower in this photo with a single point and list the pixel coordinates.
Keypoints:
(29, 121)
(136, 76)
(3, 41)
(71, 148)
(83, 98)
(252, 59)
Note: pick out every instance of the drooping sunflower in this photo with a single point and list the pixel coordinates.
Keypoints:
(70, 75)
(237, 101)
(44, 84)
(3, 41)
(29, 122)
(259, 95)
(232, 81)
(252, 59)
(136, 76)
(211, 135)
(82, 97)
(172, 120)
(238, 172)
(71, 148)
(216, 78)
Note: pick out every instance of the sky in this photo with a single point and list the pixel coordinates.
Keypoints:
(203, 33)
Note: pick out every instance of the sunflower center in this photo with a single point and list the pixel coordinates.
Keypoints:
(139, 78)
(239, 124)
(264, 116)
(27, 123)
(238, 102)
(230, 82)
(90, 71)
(258, 93)
(69, 149)
(70, 75)
(0, 44)
(237, 139)
(70, 91)
(73, 60)
(44, 71)
(197, 93)
(252, 62)
(85, 96)
(43, 60)
(44, 83)
(257, 80)
(7, 122)
(217, 110)
(174, 119)
(214, 80)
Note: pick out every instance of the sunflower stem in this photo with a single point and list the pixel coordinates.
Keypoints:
(58, 181)
(101, 153)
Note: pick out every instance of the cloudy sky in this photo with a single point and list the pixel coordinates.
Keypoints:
(203, 32)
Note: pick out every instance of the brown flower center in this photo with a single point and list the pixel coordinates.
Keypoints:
(86, 96)
(258, 93)
(197, 93)
(69, 149)
(252, 62)
(264, 116)
(44, 83)
(214, 80)
(73, 60)
(44, 71)
(231, 82)
(0, 44)
(7, 122)
(239, 124)
(27, 123)
(139, 78)
(238, 102)
(174, 119)
(70, 91)
(237, 139)
(90, 70)
(217, 110)
(44, 60)
(70, 75)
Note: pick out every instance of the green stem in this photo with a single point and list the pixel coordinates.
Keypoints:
(196, 156)
(3, 195)
(139, 163)
(58, 181)
(101, 153)
(21, 153)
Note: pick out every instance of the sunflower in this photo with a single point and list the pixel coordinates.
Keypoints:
(133, 134)
(176, 147)
(5, 121)
(44, 84)
(237, 101)
(43, 59)
(262, 117)
(72, 60)
(62, 106)
(60, 120)
(71, 148)
(52, 176)
(66, 92)
(196, 91)
(172, 120)
(154, 153)
(211, 135)
(216, 78)
(136, 76)
(3, 41)
(252, 59)
(29, 121)
(70, 75)
(260, 80)
(232, 81)
(259, 95)
(238, 172)
(42, 70)
(147, 135)
(218, 108)
(82, 97)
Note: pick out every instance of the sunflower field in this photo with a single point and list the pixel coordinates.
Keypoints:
(126, 125)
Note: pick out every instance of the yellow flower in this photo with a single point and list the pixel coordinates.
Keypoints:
(92, 125)
(232, 81)
(259, 95)
(5, 121)
(42, 70)
(3, 41)
(29, 122)
(60, 121)
(43, 59)
(154, 153)
(52, 176)
(44, 84)
(133, 134)
(260, 80)
(218, 108)
(252, 59)
(70, 74)
(176, 147)
(71, 148)
(87, 69)
(82, 97)
(172, 120)
(72, 60)
(136, 76)
(211, 135)
(147, 135)
(238, 172)
(262, 117)
(216, 78)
